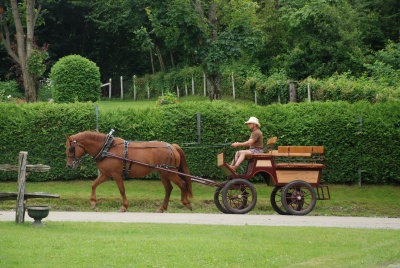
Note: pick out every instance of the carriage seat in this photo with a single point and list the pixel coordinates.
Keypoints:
(300, 156)
(269, 148)
(293, 153)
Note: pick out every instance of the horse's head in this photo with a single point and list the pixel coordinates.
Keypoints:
(75, 151)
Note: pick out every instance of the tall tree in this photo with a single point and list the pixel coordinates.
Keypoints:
(25, 40)
(207, 32)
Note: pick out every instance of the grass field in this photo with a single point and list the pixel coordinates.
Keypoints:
(114, 104)
(71, 244)
(67, 244)
(147, 195)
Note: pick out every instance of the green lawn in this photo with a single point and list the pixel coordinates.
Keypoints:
(70, 244)
(146, 196)
(115, 104)
(67, 244)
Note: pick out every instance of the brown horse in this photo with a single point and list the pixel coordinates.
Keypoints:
(117, 159)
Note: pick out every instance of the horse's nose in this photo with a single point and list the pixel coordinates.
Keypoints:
(69, 165)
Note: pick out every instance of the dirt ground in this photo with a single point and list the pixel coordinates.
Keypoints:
(216, 219)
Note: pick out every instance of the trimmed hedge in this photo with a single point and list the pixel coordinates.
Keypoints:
(374, 147)
(75, 78)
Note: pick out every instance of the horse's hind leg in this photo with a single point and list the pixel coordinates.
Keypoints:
(100, 179)
(182, 185)
(168, 189)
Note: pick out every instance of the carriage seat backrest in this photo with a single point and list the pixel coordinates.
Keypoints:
(301, 149)
(270, 145)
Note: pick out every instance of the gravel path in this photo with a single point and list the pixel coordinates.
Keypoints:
(216, 219)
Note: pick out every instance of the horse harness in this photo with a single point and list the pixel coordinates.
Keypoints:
(108, 143)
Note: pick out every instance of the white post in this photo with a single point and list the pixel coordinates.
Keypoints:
(309, 92)
(122, 89)
(255, 96)
(204, 83)
(148, 91)
(192, 85)
(186, 90)
(109, 89)
(134, 87)
(233, 87)
(177, 91)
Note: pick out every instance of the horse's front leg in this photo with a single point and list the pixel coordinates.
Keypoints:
(121, 187)
(100, 179)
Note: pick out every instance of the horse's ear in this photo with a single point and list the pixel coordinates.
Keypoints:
(68, 138)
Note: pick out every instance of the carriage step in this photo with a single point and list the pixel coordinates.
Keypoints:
(323, 192)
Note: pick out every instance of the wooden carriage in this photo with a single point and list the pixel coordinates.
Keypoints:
(295, 171)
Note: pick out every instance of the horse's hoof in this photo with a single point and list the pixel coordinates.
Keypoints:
(93, 206)
(122, 210)
(189, 206)
(160, 210)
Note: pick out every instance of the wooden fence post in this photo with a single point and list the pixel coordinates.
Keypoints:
(20, 209)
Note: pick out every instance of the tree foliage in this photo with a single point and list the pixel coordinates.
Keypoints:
(301, 38)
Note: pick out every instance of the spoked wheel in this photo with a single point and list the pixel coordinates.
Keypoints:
(218, 200)
(276, 201)
(298, 198)
(239, 196)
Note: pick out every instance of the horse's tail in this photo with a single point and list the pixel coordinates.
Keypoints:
(184, 168)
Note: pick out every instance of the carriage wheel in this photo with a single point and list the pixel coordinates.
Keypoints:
(218, 200)
(276, 201)
(239, 196)
(298, 198)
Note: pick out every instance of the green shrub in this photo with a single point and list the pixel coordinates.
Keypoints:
(75, 78)
(168, 98)
(45, 93)
(9, 90)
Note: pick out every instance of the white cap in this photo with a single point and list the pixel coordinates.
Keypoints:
(253, 120)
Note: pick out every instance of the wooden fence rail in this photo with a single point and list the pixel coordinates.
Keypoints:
(21, 196)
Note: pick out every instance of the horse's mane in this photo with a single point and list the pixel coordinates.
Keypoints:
(97, 136)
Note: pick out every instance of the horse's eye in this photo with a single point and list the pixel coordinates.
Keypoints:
(72, 149)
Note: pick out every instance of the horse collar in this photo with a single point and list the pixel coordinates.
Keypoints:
(102, 152)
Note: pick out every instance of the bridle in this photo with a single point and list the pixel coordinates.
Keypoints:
(72, 149)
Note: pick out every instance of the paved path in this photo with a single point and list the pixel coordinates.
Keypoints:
(216, 219)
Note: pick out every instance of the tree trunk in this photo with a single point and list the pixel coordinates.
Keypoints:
(214, 86)
(213, 19)
(24, 44)
(172, 59)
(160, 58)
(213, 74)
(292, 91)
(152, 61)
